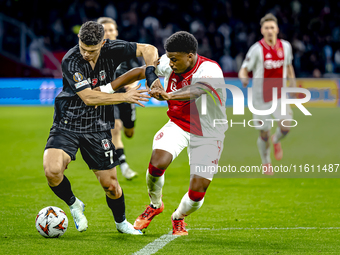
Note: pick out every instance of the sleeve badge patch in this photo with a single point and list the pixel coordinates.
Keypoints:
(77, 77)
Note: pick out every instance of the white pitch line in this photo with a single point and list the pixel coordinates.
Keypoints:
(156, 245)
(160, 242)
(273, 228)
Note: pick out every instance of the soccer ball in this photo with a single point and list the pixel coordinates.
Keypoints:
(51, 222)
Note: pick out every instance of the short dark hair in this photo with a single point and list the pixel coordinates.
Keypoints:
(268, 17)
(91, 33)
(181, 42)
(107, 20)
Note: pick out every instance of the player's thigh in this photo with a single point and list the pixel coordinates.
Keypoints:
(117, 128)
(171, 138)
(55, 160)
(98, 150)
(204, 154)
(60, 149)
(283, 117)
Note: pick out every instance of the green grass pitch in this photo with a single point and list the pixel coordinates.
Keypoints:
(261, 215)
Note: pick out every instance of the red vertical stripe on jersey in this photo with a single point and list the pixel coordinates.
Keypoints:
(273, 61)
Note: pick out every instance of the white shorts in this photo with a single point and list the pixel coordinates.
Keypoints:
(267, 120)
(203, 152)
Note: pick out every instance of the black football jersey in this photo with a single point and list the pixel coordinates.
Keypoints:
(70, 112)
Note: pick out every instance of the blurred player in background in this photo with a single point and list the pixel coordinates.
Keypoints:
(84, 117)
(186, 77)
(270, 60)
(125, 114)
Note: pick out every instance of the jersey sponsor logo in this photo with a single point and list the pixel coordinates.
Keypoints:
(268, 55)
(273, 64)
(185, 83)
(102, 75)
(159, 136)
(94, 81)
(77, 77)
(173, 84)
(105, 144)
(81, 84)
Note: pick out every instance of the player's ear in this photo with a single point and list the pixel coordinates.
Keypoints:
(262, 29)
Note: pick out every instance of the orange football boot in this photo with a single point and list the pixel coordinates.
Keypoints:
(269, 169)
(145, 218)
(278, 153)
(178, 227)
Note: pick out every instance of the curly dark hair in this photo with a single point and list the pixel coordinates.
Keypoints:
(91, 33)
(181, 42)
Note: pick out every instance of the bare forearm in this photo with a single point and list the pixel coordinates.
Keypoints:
(91, 97)
(243, 76)
(243, 73)
(291, 76)
(129, 77)
(187, 93)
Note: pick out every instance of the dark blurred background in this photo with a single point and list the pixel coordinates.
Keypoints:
(35, 34)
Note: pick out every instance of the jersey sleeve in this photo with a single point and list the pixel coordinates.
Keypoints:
(290, 54)
(163, 68)
(211, 73)
(126, 66)
(73, 73)
(250, 60)
(120, 50)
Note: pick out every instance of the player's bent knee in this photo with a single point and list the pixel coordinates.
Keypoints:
(161, 159)
(111, 188)
(129, 132)
(265, 135)
(53, 175)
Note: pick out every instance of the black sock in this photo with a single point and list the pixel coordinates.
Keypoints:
(117, 207)
(64, 191)
(121, 155)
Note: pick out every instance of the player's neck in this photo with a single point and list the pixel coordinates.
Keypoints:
(270, 42)
(94, 62)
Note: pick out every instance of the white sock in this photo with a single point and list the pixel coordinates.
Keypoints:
(278, 135)
(186, 207)
(155, 185)
(264, 149)
(123, 167)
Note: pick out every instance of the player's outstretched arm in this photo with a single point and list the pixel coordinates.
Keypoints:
(129, 77)
(183, 94)
(243, 76)
(150, 55)
(92, 97)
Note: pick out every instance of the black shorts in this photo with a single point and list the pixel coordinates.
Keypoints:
(127, 113)
(96, 149)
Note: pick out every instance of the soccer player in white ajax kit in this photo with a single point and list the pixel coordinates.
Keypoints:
(270, 60)
(190, 80)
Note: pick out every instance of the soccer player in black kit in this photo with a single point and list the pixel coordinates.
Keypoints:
(83, 117)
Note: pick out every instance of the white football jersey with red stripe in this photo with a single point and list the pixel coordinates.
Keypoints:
(192, 115)
(269, 67)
